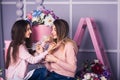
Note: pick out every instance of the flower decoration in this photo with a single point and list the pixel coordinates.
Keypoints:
(93, 71)
(41, 17)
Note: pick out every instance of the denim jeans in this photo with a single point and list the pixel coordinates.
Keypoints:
(56, 76)
(39, 74)
(44, 74)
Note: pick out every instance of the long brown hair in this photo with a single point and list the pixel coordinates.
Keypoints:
(62, 29)
(18, 31)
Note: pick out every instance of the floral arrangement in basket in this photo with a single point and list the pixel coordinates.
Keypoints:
(41, 20)
(93, 71)
(41, 16)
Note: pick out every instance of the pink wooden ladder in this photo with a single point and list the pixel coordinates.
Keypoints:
(95, 37)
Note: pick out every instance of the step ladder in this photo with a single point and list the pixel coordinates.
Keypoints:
(95, 37)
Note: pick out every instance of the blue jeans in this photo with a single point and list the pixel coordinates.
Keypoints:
(39, 74)
(44, 74)
(56, 76)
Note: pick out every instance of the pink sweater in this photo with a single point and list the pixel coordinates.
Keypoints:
(66, 64)
(19, 69)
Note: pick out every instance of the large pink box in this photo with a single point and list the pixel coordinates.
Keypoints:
(39, 32)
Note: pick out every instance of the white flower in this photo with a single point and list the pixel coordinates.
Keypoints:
(49, 20)
(103, 78)
(87, 76)
(96, 61)
(34, 19)
(92, 74)
(91, 79)
(42, 15)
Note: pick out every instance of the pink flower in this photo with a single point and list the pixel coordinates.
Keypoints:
(29, 16)
(96, 79)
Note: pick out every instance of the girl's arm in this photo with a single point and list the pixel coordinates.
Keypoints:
(24, 54)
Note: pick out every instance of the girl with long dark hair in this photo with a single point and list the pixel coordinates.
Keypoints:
(19, 53)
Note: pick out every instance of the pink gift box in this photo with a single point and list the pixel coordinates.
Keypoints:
(39, 31)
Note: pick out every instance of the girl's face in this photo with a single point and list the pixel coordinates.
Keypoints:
(28, 32)
(54, 33)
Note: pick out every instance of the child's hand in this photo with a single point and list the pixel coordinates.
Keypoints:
(39, 48)
(48, 39)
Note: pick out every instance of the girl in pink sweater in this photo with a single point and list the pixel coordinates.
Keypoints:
(19, 53)
(61, 64)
